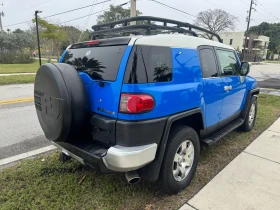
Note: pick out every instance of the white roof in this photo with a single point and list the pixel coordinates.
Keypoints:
(177, 41)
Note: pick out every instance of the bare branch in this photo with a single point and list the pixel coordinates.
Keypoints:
(216, 21)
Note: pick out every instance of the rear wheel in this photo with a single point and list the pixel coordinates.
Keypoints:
(180, 161)
(251, 115)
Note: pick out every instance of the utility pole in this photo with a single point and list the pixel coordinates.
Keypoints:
(133, 10)
(247, 31)
(38, 39)
(1, 27)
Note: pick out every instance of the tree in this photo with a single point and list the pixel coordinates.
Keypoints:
(53, 33)
(261, 29)
(16, 47)
(115, 13)
(18, 31)
(216, 21)
(73, 34)
(277, 49)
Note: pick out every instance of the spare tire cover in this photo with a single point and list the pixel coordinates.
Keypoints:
(60, 101)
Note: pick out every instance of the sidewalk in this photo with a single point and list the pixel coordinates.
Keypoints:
(15, 74)
(250, 182)
(18, 91)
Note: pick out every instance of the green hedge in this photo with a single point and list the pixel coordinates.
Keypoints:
(13, 58)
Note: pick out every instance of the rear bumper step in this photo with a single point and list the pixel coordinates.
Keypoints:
(116, 158)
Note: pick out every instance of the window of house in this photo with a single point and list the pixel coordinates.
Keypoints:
(208, 63)
(230, 41)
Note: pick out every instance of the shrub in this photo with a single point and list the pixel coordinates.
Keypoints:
(16, 47)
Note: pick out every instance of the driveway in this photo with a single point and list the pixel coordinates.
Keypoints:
(267, 75)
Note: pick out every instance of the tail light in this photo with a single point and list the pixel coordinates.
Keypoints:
(132, 103)
(91, 42)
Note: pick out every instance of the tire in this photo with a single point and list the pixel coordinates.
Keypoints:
(249, 122)
(61, 102)
(172, 184)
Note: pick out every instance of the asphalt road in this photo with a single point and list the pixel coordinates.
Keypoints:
(20, 130)
(267, 75)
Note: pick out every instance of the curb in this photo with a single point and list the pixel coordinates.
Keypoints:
(16, 74)
(26, 155)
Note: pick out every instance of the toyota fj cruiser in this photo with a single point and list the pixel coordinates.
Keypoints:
(144, 104)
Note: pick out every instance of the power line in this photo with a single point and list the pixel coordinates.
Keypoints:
(232, 12)
(252, 8)
(222, 8)
(262, 7)
(255, 10)
(176, 12)
(244, 2)
(72, 10)
(265, 16)
(58, 13)
(173, 8)
(90, 14)
(18, 23)
(30, 7)
(91, 10)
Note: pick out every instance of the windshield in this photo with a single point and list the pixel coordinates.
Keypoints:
(100, 63)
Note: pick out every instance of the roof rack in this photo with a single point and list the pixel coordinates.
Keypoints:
(121, 27)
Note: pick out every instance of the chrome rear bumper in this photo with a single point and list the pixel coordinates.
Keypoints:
(116, 158)
(122, 159)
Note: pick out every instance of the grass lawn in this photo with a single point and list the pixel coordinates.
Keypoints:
(49, 184)
(20, 68)
(17, 79)
(269, 61)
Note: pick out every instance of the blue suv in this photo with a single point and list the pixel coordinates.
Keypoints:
(144, 104)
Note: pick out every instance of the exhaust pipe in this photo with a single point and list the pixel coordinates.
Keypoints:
(132, 177)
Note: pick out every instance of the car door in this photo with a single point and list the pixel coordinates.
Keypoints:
(233, 83)
(212, 87)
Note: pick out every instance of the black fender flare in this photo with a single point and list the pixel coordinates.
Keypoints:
(250, 94)
(151, 171)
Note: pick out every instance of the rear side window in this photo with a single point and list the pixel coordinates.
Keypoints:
(148, 64)
(100, 63)
(208, 63)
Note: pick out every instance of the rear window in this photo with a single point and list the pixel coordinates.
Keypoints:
(148, 64)
(100, 63)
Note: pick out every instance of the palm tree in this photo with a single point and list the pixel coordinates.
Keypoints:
(162, 73)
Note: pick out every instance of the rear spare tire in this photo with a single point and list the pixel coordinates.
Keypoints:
(60, 101)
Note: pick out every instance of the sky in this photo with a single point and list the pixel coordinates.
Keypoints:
(17, 11)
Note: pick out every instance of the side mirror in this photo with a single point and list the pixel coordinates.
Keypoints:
(245, 68)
